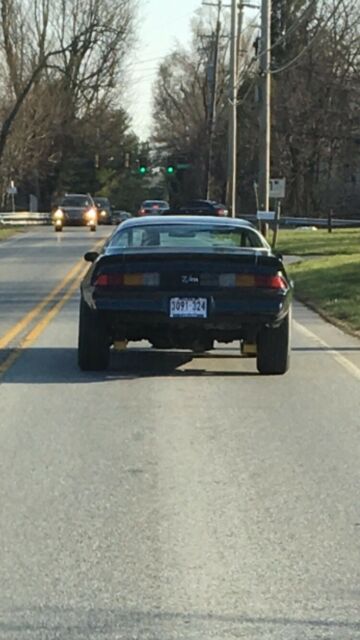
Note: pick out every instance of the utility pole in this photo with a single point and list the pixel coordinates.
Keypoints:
(239, 36)
(265, 108)
(232, 142)
(212, 105)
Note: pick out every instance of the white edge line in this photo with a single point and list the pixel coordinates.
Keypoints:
(340, 359)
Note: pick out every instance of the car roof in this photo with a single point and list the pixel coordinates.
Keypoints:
(161, 220)
(151, 200)
(212, 203)
(77, 195)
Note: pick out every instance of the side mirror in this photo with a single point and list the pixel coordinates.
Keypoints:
(279, 255)
(91, 256)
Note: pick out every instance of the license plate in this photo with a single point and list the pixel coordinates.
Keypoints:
(188, 308)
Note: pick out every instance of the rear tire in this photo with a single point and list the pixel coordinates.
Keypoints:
(93, 345)
(58, 229)
(273, 349)
(93, 228)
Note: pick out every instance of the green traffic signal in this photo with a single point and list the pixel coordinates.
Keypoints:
(142, 170)
(170, 169)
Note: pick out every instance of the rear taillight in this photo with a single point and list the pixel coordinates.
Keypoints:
(142, 211)
(271, 282)
(221, 212)
(127, 280)
(109, 280)
(275, 281)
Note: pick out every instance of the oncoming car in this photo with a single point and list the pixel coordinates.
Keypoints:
(118, 216)
(184, 283)
(104, 210)
(75, 209)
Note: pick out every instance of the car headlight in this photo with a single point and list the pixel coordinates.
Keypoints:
(58, 215)
(91, 214)
(103, 213)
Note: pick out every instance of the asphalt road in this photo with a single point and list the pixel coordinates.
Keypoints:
(170, 498)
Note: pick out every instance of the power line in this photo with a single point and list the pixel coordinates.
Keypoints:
(294, 26)
(250, 64)
(291, 62)
(245, 71)
(249, 89)
(252, 23)
(309, 45)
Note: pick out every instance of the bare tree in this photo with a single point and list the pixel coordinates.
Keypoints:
(75, 46)
(315, 107)
(181, 109)
(315, 111)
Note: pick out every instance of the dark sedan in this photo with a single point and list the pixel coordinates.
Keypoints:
(75, 209)
(184, 282)
(204, 207)
(153, 208)
(118, 216)
(104, 210)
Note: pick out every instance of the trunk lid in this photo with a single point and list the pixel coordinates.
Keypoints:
(189, 269)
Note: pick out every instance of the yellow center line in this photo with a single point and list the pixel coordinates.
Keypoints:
(20, 326)
(29, 317)
(34, 334)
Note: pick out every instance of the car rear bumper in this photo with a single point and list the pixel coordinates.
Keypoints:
(147, 314)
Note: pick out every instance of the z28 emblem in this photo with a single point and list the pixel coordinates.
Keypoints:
(190, 279)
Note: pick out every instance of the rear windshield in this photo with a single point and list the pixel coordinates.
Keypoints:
(76, 201)
(155, 203)
(187, 236)
(199, 203)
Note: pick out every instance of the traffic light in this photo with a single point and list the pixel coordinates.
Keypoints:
(170, 169)
(143, 167)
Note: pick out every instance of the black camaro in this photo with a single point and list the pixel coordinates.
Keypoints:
(184, 282)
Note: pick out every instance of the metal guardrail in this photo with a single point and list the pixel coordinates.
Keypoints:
(293, 222)
(321, 222)
(24, 218)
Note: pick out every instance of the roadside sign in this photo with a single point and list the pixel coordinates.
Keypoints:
(183, 165)
(266, 216)
(277, 188)
(33, 203)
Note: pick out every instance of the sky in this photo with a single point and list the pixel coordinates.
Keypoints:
(161, 24)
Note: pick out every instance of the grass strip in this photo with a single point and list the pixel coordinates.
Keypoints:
(328, 279)
(319, 243)
(7, 232)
